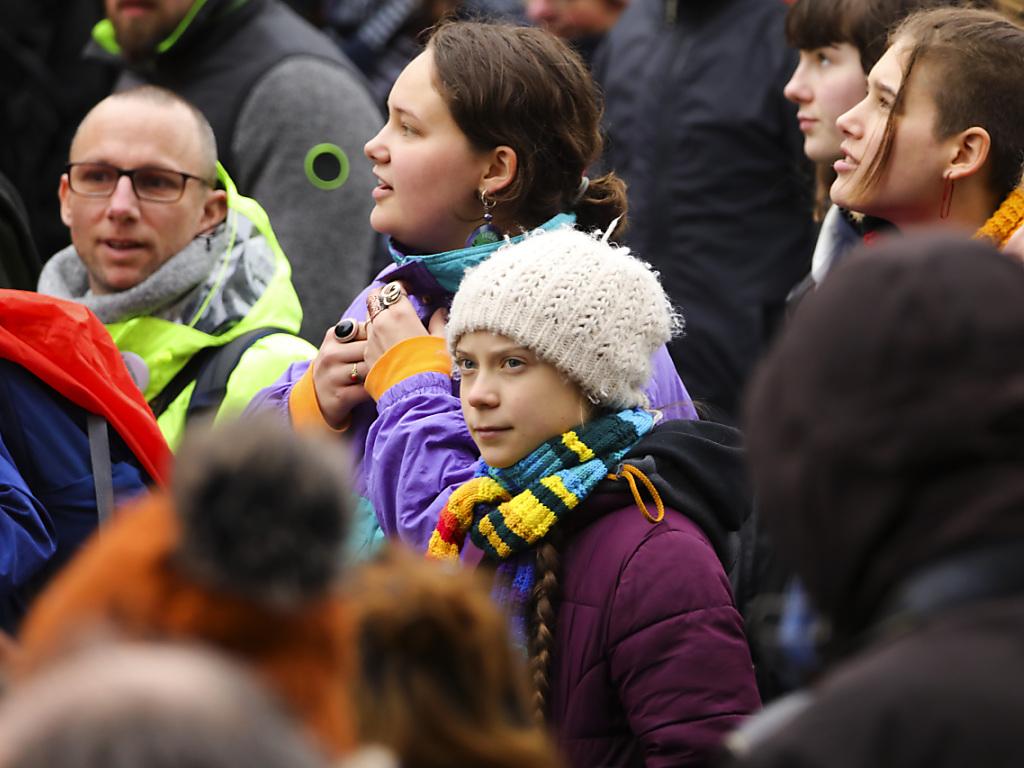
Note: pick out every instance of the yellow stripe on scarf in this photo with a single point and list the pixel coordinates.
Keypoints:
(554, 484)
(459, 509)
(465, 498)
(439, 549)
(572, 441)
(487, 529)
(526, 517)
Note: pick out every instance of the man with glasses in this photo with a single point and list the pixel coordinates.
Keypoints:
(290, 112)
(189, 278)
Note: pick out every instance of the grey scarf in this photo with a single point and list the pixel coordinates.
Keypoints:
(177, 290)
(66, 277)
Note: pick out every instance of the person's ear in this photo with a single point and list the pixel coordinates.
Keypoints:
(215, 209)
(969, 151)
(501, 169)
(63, 191)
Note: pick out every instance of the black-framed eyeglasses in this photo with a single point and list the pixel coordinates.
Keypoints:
(158, 185)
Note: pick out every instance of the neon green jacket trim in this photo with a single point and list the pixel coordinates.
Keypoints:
(104, 35)
(167, 346)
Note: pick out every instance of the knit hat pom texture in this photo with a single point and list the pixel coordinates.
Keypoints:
(585, 306)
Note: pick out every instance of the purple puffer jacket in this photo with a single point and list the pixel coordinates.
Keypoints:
(651, 665)
(412, 448)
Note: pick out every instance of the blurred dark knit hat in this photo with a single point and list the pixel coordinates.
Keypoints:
(243, 555)
(886, 427)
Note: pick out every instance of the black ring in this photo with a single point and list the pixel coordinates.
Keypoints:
(346, 329)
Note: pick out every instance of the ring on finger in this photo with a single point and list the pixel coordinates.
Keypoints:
(390, 294)
(346, 329)
(354, 374)
(374, 306)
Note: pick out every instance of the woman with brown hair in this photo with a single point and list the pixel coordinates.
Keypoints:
(939, 138)
(436, 681)
(490, 134)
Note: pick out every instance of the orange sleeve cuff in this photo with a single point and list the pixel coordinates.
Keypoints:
(304, 408)
(420, 354)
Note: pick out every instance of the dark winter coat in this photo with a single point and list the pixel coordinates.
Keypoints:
(719, 189)
(58, 365)
(650, 664)
(886, 437)
(19, 264)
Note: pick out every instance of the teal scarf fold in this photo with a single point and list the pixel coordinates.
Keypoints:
(449, 267)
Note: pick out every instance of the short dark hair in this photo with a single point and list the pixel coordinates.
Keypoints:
(864, 24)
(265, 510)
(978, 57)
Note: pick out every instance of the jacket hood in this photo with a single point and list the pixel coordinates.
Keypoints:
(886, 428)
(697, 468)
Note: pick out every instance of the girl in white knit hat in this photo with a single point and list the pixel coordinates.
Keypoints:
(489, 135)
(607, 532)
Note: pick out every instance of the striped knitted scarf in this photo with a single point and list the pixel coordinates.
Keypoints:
(509, 510)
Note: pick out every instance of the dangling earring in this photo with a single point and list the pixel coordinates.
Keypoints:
(947, 197)
(486, 232)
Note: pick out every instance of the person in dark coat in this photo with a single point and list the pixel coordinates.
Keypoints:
(19, 260)
(886, 438)
(45, 91)
(718, 183)
(607, 532)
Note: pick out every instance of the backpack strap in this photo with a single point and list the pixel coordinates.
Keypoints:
(102, 469)
(210, 369)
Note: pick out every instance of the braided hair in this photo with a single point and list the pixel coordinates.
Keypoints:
(544, 611)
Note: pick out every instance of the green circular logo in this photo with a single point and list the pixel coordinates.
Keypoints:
(326, 166)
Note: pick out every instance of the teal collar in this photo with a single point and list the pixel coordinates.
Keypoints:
(449, 267)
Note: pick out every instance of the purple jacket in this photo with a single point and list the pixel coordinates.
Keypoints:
(650, 664)
(412, 448)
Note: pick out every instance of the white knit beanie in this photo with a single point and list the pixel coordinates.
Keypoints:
(587, 307)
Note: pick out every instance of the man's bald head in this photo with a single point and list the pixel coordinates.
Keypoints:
(123, 238)
(161, 97)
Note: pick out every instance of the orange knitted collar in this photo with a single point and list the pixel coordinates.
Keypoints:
(1007, 219)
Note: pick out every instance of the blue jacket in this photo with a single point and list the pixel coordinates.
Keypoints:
(47, 496)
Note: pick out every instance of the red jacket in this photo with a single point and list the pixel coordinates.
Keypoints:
(67, 347)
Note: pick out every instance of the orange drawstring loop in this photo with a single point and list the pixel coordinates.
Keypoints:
(630, 474)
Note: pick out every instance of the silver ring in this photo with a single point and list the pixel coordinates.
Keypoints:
(390, 294)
